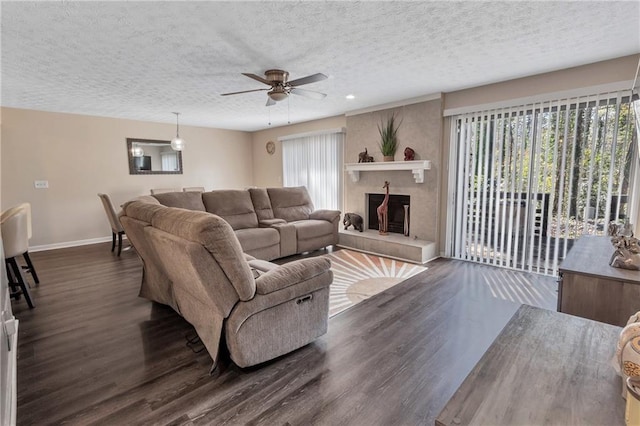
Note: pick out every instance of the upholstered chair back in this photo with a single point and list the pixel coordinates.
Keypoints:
(155, 191)
(290, 204)
(183, 200)
(15, 233)
(111, 213)
(193, 189)
(156, 284)
(206, 250)
(261, 203)
(233, 205)
(12, 210)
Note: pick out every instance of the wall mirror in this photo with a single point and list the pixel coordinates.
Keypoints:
(153, 157)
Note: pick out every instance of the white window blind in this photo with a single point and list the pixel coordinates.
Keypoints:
(169, 161)
(315, 161)
(532, 179)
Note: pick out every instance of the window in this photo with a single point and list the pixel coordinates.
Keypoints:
(315, 161)
(532, 179)
(169, 161)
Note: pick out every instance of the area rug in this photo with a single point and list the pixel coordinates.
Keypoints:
(358, 276)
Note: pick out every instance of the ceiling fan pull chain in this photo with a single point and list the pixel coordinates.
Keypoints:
(288, 110)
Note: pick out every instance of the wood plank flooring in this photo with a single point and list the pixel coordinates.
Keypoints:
(94, 352)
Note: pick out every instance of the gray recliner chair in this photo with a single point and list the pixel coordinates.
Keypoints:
(264, 312)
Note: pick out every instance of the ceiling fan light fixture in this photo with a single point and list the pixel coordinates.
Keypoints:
(278, 95)
(281, 87)
(177, 143)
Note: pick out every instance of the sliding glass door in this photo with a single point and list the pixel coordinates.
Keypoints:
(532, 179)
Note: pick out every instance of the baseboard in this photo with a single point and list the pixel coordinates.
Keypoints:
(68, 244)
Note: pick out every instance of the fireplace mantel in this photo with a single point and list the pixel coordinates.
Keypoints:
(417, 167)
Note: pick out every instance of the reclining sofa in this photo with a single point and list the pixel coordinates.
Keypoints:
(194, 262)
(269, 222)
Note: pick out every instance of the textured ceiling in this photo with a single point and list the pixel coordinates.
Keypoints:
(143, 60)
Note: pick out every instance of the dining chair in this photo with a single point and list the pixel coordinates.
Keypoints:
(15, 241)
(10, 212)
(163, 190)
(193, 189)
(116, 227)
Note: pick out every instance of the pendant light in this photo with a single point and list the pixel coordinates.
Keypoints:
(137, 151)
(177, 143)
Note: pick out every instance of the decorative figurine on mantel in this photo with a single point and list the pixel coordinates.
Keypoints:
(382, 210)
(409, 154)
(627, 248)
(364, 157)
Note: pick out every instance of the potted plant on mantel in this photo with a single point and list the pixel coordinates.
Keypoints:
(389, 138)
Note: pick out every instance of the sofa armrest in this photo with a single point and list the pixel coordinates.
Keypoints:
(267, 223)
(262, 265)
(328, 215)
(291, 274)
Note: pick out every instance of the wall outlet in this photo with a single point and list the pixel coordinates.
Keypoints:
(41, 184)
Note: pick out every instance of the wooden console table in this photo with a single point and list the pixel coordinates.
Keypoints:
(590, 288)
(543, 368)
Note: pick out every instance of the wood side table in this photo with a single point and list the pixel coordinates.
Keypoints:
(590, 288)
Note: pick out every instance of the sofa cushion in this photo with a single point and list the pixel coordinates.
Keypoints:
(290, 204)
(233, 205)
(183, 200)
(257, 238)
(307, 229)
(261, 203)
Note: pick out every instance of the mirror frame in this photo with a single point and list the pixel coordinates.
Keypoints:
(132, 169)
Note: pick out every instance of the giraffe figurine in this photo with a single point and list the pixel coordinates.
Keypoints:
(382, 210)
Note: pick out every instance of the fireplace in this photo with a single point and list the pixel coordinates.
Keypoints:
(396, 211)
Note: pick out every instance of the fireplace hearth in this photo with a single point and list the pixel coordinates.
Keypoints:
(396, 211)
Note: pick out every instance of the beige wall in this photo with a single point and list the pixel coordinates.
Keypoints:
(267, 169)
(421, 129)
(82, 155)
(619, 70)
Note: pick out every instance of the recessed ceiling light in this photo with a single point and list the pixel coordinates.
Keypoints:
(350, 96)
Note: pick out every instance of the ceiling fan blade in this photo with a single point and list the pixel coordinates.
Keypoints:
(270, 102)
(308, 79)
(308, 93)
(258, 78)
(244, 91)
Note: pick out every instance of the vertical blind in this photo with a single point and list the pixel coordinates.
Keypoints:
(169, 161)
(532, 179)
(315, 161)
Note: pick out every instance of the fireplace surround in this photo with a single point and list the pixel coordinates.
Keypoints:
(396, 211)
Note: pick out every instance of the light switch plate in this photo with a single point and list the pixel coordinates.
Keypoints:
(41, 184)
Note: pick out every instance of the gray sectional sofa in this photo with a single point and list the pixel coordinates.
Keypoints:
(269, 222)
(193, 261)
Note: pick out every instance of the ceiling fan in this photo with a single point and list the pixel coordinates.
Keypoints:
(281, 87)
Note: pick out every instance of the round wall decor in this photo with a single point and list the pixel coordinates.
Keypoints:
(271, 147)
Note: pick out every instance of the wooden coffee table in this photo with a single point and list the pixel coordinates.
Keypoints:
(543, 368)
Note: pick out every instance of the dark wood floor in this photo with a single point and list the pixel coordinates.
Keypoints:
(94, 352)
